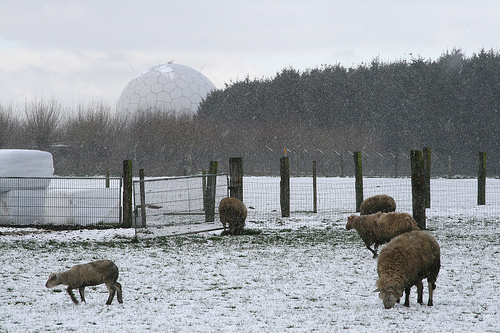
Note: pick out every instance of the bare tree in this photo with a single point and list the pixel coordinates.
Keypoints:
(91, 135)
(42, 121)
(6, 125)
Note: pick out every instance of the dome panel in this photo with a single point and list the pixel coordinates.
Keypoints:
(176, 93)
(145, 91)
(157, 88)
(164, 97)
(187, 92)
(182, 82)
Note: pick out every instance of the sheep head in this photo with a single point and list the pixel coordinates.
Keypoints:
(389, 297)
(350, 221)
(53, 280)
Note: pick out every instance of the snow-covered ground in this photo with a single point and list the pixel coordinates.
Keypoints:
(300, 274)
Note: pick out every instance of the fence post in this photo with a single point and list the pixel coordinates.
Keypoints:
(143, 197)
(427, 171)
(107, 178)
(285, 187)
(342, 169)
(418, 187)
(481, 180)
(358, 172)
(127, 194)
(236, 177)
(315, 190)
(449, 166)
(396, 165)
(210, 192)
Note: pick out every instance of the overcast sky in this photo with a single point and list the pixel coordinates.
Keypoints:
(81, 50)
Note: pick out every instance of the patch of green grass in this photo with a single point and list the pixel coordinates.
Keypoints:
(249, 239)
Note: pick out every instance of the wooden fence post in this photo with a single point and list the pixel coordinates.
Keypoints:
(204, 188)
(418, 187)
(107, 178)
(427, 171)
(481, 180)
(210, 192)
(449, 166)
(396, 165)
(127, 194)
(143, 197)
(342, 168)
(285, 187)
(236, 177)
(315, 191)
(358, 173)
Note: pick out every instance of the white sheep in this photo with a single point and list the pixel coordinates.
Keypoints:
(232, 213)
(377, 203)
(405, 262)
(380, 228)
(90, 274)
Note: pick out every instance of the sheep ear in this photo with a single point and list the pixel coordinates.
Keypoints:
(377, 290)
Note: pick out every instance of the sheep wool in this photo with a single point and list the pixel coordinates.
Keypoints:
(405, 262)
(380, 228)
(377, 203)
(233, 213)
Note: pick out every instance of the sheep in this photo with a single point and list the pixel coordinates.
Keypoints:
(405, 262)
(378, 203)
(90, 274)
(233, 213)
(380, 228)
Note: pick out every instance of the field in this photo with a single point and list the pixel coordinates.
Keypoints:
(300, 274)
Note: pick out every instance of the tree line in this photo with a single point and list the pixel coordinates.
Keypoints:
(450, 105)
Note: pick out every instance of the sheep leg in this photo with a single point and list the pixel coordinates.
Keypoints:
(118, 287)
(112, 291)
(431, 287)
(372, 251)
(70, 292)
(407, 296)
(420, 291)
(82, 293)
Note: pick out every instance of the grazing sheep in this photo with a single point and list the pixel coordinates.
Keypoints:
(91, 274)
(233, 213)
(378, 203)
(380, 228)
(405, 262)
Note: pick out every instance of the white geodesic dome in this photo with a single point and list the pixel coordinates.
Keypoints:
(169, 87)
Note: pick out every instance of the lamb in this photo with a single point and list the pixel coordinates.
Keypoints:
(233, 213)
(90, 274)
(378, 203)
(405, 262)
(380, 228)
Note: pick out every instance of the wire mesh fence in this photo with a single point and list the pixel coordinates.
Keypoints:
(60, 201)
(170, 201)
(336, 197)
(174, 201)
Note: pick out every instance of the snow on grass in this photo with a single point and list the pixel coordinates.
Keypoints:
(305, 279)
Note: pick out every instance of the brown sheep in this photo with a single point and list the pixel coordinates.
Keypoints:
(378, 203)
(405, 262)
(90, 274)
(380, 228)
(233, 213)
